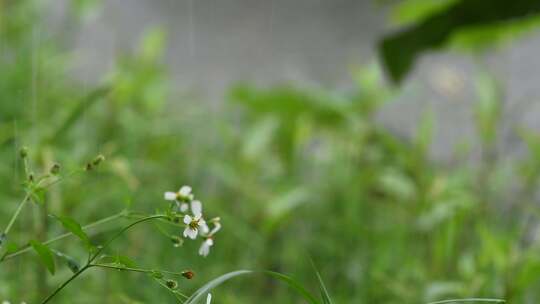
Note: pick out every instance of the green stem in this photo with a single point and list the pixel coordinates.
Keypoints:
(176, 293)
(16, 214)
(98, 252)
(136, 269)
(57, 290)
(63, 177)
(119, 233)
(28, 248)
(18, 211)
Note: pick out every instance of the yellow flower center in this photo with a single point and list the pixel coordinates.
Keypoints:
(194, 224)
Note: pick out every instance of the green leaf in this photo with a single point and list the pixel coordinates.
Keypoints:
(7, 249)
(45, 255)
(71, 263)
(411, 11)
(480, 38)
(125, 261)
(74, 227)
(400, 50)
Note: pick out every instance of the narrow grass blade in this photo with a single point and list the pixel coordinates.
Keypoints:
(214, 283)
(294, 285)
(86, 102)
(324, 292)
(469, 300)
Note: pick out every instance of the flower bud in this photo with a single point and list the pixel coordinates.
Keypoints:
(177, 241)
(55, 169)
(188, 274)
(23, 152)
(98, 160)
(172, 284)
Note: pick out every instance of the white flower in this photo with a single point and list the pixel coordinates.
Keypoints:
(7, 302)
(184, 207)
(204, 250)
(209, 298)
(183, 195)
(170, 196)
(193, 223)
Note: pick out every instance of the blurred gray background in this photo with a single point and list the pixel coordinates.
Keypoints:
(213, 44)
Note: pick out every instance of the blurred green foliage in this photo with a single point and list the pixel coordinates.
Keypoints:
(294, 173)
(470, 25)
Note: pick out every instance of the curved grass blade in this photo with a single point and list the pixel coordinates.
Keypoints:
(294, 285)
(201, 292)
(84, 104)
(324, 292)
(469, 300)
(214, 283)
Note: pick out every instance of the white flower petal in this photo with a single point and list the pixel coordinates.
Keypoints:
(190, 232)
(196, 208)
(184, 207)
(170, 196)
(204, 228)
(209, 298)
(187, 219)
(185, 190)
(204, 250)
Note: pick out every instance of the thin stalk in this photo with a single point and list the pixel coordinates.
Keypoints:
(142, 270)
(63, 177)
(19, 209)
(16, 214)
(119, 233)
(91, 258)
(176, 294)
(28, 248)
(57, 290)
